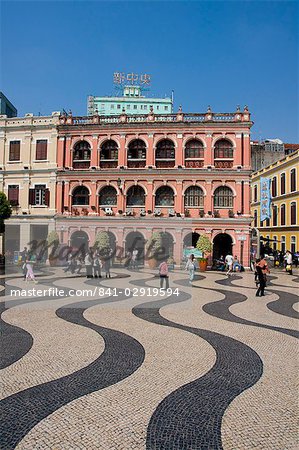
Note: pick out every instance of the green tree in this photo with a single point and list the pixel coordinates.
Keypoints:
(5, 210)
(154, 245)
(204, 244)
(102, 243)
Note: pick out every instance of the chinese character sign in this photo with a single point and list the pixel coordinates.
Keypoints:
(265, 199)
(131, 78)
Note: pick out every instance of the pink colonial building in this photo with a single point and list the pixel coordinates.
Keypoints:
(180, 174)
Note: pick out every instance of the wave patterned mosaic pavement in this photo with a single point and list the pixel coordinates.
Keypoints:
(207, 366)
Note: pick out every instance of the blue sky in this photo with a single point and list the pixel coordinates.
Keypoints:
(210, 53)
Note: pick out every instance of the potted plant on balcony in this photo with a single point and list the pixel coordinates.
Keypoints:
(102, 243)
(52, 245)
(205, 246)
(216, 214)
(153, 249)
(231, 213)
(201, 213)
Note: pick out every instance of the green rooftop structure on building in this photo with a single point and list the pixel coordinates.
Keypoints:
(131, 101)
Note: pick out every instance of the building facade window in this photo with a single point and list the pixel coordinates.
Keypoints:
(109, 155)
(165, 154)
(107, 196)
(255, 193)
(223, 197)
(274, 243)
(80, 196)
(13, 194)
(223, 149)
(293, 213)
(41, 149)
(255, 218)
(283, 244)
(39, 195)
(137, 150)
(293, 180)
(164, 196)
(274, 186)
(14, 150)
(282, 184)
(194, 197)
(283, 215)
(135, 196)
(274, 215)
(293, 244)
(267, 222)
(81, 155)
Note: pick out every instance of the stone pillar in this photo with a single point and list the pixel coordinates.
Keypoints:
(24, 234)
(246, 189)
(59, 197)
(179, 200)
(179, 152)
(238, 150)
(238, 197)
(247, 151)
(150, 158)
(149, 203)
(122, 151)
(208, 152)
(60, 151)
(208, 201)
(94, 162)
(67, 198)
(68, 153)
(93, 196)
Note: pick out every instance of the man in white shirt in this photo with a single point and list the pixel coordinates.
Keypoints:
(289, 261)
(229, 259)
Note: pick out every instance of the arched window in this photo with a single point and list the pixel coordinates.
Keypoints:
(223, 149)
(275, 215)
(293, 180)
(293, 213)
(135, 196)
(109, 154)
(165, 154)
(255, 218)
(194, 196)
(164, 196)
(223, 154)
(274, 186)
(223, 197)
(194, 153)
(255, 193)
(108, 196)
(81, 155)
(283, 215)
(80, 196)
(137, 153)
(282, 184)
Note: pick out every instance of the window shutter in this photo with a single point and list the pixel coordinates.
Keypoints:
(13, 195)
(31, 196)
(14, 151)
(47, 197)
(41, 149)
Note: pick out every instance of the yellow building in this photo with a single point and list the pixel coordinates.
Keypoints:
(283, 226)
(28, 165)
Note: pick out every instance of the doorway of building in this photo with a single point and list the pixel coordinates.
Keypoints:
(222, 245)
(79, 242)
(135, 240)
(190, 240)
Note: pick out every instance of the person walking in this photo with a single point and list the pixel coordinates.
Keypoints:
(97, 265)
(134, 259)
(31, 260)
(164, 277)
(261, 282)
(107, 266)
(24, 255)
(289, 262)
(229, 259)
(190, 266)
(88, 262)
